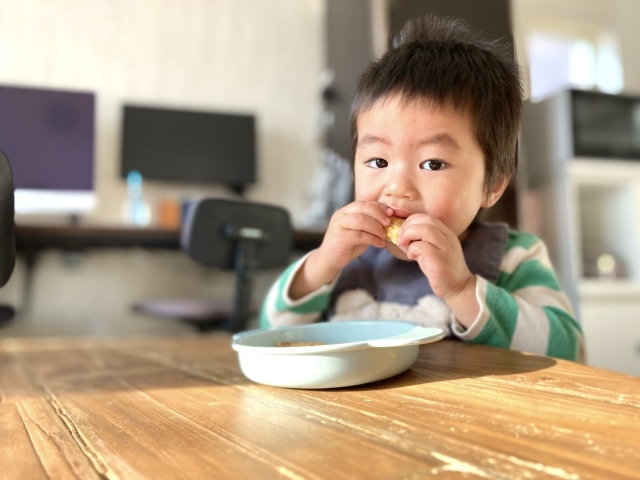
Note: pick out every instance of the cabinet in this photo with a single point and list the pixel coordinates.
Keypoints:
(587, 210)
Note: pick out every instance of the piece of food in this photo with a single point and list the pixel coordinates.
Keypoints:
(393, 229)
(298, 344)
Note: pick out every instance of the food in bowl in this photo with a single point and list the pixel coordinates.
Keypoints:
(393, 229)
(298, 344)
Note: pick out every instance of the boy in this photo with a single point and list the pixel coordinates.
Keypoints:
(435, 124)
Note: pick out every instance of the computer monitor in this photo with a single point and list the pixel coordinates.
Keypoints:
(48, 136)
(189, 146)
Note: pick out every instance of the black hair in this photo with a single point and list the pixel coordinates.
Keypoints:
(442, 61)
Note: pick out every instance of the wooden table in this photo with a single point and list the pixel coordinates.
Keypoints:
(181, 408)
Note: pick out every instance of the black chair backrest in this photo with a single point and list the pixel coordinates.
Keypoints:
(213, 228)
(7, 235)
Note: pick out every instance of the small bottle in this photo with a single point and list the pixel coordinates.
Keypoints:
(134, 209)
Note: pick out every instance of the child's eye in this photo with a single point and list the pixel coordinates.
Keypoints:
(432, 164)
(377, 163)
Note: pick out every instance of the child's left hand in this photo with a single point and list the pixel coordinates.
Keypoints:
(437, 250)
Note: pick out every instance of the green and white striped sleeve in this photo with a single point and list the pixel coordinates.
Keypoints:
(279, 310)
(526, 308)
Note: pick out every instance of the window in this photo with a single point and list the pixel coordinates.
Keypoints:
(559, 61)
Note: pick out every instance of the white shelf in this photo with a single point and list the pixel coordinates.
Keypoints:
(596, 289)
(604, 171)
(607, 220)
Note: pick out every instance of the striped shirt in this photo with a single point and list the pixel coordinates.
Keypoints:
(522, 306)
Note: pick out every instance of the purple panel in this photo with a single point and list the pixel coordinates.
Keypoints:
(48, 136)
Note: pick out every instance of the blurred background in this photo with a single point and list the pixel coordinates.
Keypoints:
(117, 115)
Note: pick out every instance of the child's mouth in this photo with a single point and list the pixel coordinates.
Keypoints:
(398, 212)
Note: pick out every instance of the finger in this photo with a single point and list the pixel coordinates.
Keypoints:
(364, 223)
(425, 218)
(422, 232)
(358, 237)
(415, 231)
(420, 250)
(375, 210)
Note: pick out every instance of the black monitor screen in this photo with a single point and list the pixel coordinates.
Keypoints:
(48, 137)
(189, 146)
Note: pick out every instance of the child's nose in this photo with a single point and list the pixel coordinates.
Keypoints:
(400, 184)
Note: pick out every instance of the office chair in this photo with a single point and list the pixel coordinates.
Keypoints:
(231, 235)
(7, 235)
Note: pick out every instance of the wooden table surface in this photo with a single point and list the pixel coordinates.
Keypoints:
(181, 408)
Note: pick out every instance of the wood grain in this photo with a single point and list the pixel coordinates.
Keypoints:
(181, 408)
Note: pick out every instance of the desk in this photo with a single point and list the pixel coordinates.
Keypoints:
(169, 408)
(33, 238)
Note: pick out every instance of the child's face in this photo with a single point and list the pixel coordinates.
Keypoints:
(417, 158)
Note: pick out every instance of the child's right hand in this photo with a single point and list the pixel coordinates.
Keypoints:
(352, 230)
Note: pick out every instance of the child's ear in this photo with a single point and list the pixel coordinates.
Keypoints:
(496, 192)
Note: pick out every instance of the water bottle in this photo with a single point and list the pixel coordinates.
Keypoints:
(135, 211)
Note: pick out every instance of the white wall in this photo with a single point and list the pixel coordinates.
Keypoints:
(260, 56)
(626, 16)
